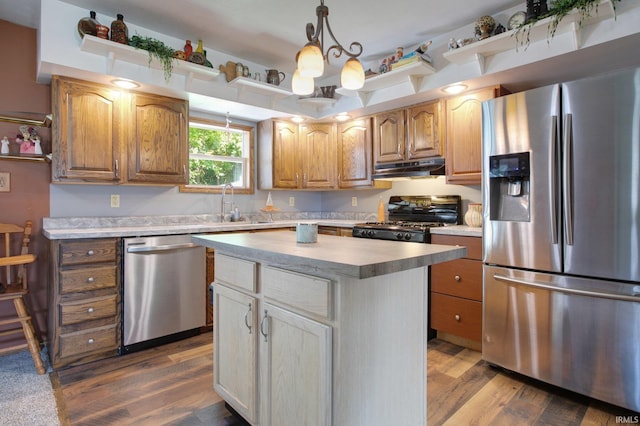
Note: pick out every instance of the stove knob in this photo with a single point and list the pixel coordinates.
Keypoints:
(407, 236)
(399, 235)
(370, 233)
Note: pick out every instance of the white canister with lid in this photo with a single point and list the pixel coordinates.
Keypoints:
(307, 232)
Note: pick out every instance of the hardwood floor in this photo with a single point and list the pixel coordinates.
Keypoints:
(172, 385)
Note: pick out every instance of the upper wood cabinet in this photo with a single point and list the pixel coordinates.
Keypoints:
(87, 132)
(424, 131)
(354, 153)
(158, 148)
(316, 156)
(408, 134)
(317, 147)
(388, 136)
(304, 157)
(464, 135)
(101, 134)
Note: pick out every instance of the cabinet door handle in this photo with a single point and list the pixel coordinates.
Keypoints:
(90, 310)
(264, 325)
(91, 253)
(90, 279)
(184, 170)
(117, 170)
(246, 319)
(457, 278)
(90, 341)
(457, 317)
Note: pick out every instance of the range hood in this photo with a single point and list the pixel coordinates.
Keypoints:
(410, 169)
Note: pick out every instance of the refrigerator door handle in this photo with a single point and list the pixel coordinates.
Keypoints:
(622, 297)
(568, 178)
(553, 182)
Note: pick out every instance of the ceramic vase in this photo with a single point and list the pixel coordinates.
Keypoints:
(188, 49)
(473, 216)
(119, 31)
(88, 25)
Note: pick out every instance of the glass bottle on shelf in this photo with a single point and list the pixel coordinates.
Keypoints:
(119, 31)
(88, 25)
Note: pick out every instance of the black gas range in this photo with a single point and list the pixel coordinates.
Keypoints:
(411, 217)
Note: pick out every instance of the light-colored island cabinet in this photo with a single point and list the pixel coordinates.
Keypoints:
(329, 333)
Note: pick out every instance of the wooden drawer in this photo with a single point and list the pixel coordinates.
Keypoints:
(235, 272)
(86, 279)
(85, 341)
(88, 310)
(457, 316)
(461, 277)
(90, 251)
(473, 244)
(303, 292)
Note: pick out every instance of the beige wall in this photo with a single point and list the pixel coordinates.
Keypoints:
(29, 196)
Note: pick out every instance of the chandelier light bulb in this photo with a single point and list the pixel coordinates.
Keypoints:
(352, 77)
(311, 61)
(302, 85)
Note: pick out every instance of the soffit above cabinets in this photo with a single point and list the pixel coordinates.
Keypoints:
(604, 44)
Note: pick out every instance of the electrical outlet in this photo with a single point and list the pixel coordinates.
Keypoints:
(115, 200)
(292, 201)
(354, 201)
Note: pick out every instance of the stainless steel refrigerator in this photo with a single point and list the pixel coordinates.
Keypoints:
(561, 274)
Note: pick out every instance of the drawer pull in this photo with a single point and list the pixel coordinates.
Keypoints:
(457, 278)
(457, 317)
(91, 253)
(90, 280)
(90, 310)
(90, 341)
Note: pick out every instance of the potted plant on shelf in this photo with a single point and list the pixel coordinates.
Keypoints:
(158, 50)
(558, 9)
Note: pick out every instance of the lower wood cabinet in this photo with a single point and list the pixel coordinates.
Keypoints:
(265, 353)
(456, 290)
(84, 300)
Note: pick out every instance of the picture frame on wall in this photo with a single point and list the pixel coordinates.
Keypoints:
(5, 182)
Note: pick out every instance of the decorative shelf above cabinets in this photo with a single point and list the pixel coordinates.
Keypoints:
(409, 74)
(26, 157)
(509, 40)
(246, 85)
(113, 52)
(317, 103)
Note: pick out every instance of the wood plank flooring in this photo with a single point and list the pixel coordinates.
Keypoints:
(172, 385)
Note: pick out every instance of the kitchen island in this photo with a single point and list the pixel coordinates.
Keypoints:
(327, 333)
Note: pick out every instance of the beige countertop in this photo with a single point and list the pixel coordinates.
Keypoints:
(461, 230)
(104, 227)
(331, 255)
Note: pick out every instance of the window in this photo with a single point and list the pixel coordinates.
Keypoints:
(220, 153)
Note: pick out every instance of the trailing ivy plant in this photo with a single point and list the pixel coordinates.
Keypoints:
(558, 9)
(157, 49)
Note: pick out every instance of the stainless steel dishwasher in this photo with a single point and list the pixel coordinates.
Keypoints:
(164, 290)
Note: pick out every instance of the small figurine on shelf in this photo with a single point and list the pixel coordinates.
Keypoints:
(37, 148)
(26, 140)
(5, 146)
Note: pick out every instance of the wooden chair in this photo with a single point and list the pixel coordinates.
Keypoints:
(16, 289)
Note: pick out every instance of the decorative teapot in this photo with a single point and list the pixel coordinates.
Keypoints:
(275, 77)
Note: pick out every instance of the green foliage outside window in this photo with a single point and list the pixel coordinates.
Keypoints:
(207, 162)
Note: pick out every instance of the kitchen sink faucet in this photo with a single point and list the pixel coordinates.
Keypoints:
(223, 202)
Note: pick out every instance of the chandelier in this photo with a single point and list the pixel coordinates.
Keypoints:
(310, 60)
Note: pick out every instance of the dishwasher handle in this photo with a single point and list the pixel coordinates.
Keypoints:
(149, 249)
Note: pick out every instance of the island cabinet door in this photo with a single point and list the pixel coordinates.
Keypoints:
(235, 350)
(295, 369)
